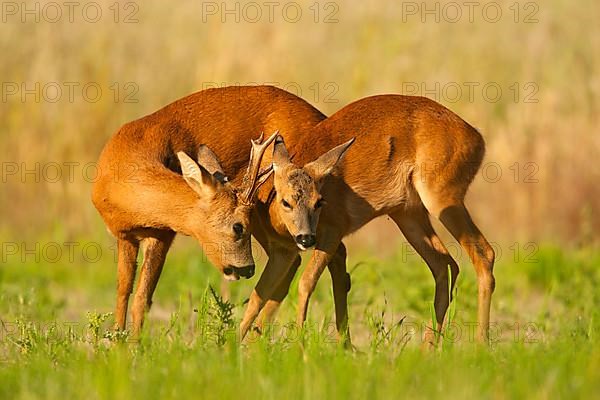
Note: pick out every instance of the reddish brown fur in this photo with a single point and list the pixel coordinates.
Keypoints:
(412, 157)
(142, 196)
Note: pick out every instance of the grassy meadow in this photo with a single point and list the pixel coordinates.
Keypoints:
(57, 340)
(524, 73)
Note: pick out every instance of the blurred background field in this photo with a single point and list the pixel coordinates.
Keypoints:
(527, 78)
(540, 180)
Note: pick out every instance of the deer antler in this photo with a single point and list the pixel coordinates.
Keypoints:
(255, 177)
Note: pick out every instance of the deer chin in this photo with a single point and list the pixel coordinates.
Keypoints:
(301, 247)
(230, 274)
(231, 277)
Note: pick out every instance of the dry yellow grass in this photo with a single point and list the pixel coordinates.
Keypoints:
(544, 137)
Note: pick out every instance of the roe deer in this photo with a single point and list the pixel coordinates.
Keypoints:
(412, 158)
(143, 197)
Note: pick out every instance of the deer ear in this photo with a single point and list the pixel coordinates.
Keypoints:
(325, 164)
(281, 157)
(210, 162)
(197, 177)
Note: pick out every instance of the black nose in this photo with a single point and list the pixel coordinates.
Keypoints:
(306, 240)
(246, 272)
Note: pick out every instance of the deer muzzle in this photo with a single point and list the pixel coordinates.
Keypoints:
(234, 273)
(305, 242)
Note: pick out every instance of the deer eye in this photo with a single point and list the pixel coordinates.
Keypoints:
(238, 229)
(286, 205)
(320, 203)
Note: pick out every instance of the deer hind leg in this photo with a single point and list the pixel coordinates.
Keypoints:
(155, 253)
(127, 253)
(458, 221)
(417, 229)
(267, 315)
(341, 286)
(446, 203)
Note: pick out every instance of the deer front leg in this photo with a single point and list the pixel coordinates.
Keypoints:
(341, 286)
(274, 273)
(322, 255)
(155, 253)
(272, 305)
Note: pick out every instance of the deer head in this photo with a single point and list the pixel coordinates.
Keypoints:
(297, 203)
(223, 215)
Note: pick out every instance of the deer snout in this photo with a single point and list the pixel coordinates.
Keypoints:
(246, 272)
(234, 273)
(305, 241)
(230, 274)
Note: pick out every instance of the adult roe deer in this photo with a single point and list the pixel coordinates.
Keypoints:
(143, 197)
(412, 157)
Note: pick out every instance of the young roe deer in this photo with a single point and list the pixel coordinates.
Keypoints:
(143, 197)
(412, 158)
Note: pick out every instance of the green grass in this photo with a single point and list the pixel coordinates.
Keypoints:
(372, 50)
(56, 340)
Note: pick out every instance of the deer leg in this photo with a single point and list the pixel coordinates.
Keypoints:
(270, 308)
(341, 286)
(155, 254)
(321, 257)
(458, 221)
(127, 253)
(275, 271)
(417, 228)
